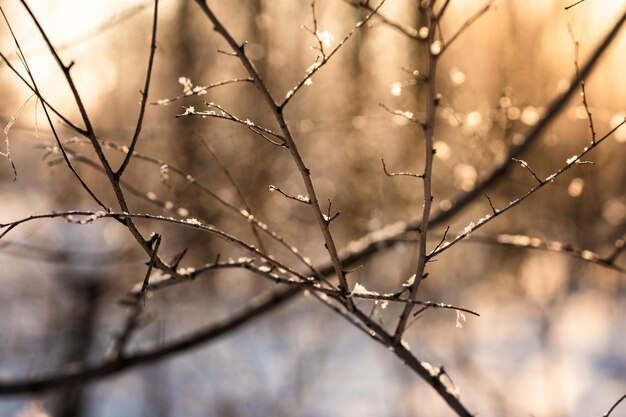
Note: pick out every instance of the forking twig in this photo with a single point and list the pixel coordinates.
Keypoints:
(277, 111)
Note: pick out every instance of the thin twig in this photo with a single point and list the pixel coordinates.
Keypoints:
(468, 23)
(236, 187)
(408, 31)
(608, 413)
(223, 114)
(77, 98)
(574, 4)
(44, 102)
(426, 371)
(525, 165)
(198, 91)
(315, 287)
(329, 217)
(429, 129)
(319, 64)
(493, 209)
(550, 179)
(299, 198)
(138, 304)
(442, 11)
(402, 173)
(144, 94)
(535, 243)
(406, 114)
(7, 128)
(443, 238)
(190, 274)
(582, 85)
(316, 33)
(619, 246)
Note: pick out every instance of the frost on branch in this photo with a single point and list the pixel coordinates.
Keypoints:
(460, 319)
(409, 282)
(360, 289)
(313, 67)
(468, 229)
(326, 38)
(194, 221)
(303, 198)
(187, 84)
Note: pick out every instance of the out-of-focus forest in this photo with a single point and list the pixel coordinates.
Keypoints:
(547, 277)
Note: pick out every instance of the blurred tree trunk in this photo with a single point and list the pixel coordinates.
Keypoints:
(85, 291)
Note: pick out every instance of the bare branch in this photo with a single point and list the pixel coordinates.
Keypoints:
(242, 198)
(137, 306)
(86, 373)
(430, 103)
(535, 243)
(443, 238)
(394, 174)
(574, 4)
(223, 114)
(319, 64)
(468, 23)
(443, 9)
(525, 165)
(408, 31)
(608, 413)
(406, 114)
(7, 128)
(199, 90)
(582, 84)
(44, 102)
(299, 198)
(316, 33)
(493, 209)
(617, 250)
(144, 94)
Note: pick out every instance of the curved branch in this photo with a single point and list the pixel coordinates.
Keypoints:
(87, 373)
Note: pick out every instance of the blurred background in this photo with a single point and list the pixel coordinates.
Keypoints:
(550, 340)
